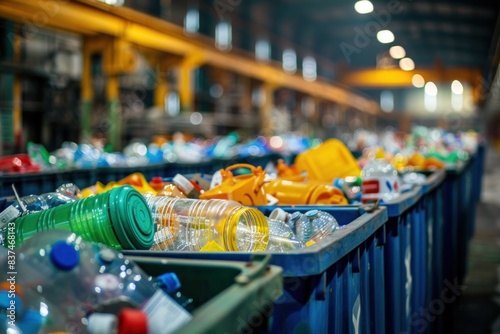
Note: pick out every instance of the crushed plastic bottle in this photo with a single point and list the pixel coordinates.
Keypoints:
(323, 224)
(33, 203)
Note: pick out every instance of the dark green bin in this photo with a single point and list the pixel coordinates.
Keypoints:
(229, 297)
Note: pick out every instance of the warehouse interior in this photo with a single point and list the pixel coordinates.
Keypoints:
(116, 72)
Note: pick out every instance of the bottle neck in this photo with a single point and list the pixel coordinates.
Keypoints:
(247, 224)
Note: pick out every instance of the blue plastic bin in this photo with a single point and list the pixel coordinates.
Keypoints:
(433, 204)
(334, 286)
(39, 183)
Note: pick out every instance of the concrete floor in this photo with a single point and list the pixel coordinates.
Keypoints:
(478, 311)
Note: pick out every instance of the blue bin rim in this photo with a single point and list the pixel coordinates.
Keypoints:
(404, 202)
(313, 260)
(434, 180)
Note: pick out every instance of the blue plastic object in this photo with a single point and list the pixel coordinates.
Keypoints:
(334, 286)
(64, 256)
(169, 282)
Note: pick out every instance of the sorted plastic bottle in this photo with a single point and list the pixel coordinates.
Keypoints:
(380, 181)
(185, 224)
(119, 218)
(322, 223)
(281, 237)
(303, 226)
(75, 278)
(170, 284)
(33, 203)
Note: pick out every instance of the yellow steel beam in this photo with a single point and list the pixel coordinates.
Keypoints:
(379, 78)
(92, 17)
(17, 94)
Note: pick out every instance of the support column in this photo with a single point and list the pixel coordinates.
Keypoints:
(7, 42)
(186, 82)
(186, 86)
(17, 97)
(87, 94)
(266, 109)
(112, 97)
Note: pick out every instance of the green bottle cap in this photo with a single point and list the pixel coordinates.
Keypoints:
(131, 218)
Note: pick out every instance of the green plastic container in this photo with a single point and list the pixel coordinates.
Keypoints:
(228, 296)
(119, 218)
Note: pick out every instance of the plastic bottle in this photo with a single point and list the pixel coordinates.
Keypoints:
(303, 226)
(279, 228)
(33, 203)
(207, 225)
(322, 223)
(170, 284)
(78, 278)
(119, 218)
(380, 181)
(281, 237)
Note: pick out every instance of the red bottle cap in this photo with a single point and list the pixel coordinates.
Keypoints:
(132, 321)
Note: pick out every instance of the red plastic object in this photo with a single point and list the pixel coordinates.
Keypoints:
(132, 321)
(19, 163)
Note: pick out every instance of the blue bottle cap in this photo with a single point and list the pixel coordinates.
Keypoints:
(296, 215)
(339, 183)
(169, 282)
(312, 213)
(30, 322)
(64, 256)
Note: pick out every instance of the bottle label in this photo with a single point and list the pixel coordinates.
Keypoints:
(8, 215)
(164, 314)
(375, 188)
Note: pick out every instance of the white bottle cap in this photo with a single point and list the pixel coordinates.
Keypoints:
(279, 214)
(183, 183)
(102, 323)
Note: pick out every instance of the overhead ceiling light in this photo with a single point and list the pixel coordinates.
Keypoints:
(407, 64)
(418, 81)
(457, 88)
(385, 36)
(431, 89)
(363, 7)
(397, 52)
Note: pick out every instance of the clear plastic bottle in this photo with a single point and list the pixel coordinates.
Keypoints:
(281, 235)
(170, 284)
(380, 181)
(283, 244)
(279, 228)
(303, 226)
(75, 278)
(323, 224)
(33, 203)
(185, 224)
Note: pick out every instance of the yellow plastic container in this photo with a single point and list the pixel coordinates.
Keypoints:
(246, 189)
(136, 180)
(330, 160)
(291, 193)
(291, 173)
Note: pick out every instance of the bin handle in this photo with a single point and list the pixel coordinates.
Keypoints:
(257, 171)
(370, 206)
(256, 268)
